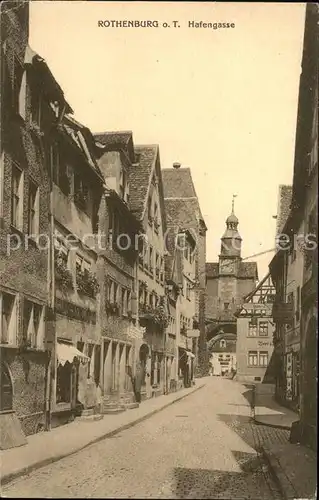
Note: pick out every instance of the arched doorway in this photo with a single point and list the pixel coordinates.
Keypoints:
(310, 373)
(6, 400)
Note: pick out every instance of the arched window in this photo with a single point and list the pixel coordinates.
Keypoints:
(222, 343)
(6, 389)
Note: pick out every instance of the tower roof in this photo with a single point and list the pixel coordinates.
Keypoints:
(232, 219)
(231, 235)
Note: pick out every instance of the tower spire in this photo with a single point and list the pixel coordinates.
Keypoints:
(233, 204)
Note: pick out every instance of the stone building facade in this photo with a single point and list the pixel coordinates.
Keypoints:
(228, 282)
(155, 353)
(182, 203)
(118, 260)
(222, 355)
(301, 230)
(24, 205)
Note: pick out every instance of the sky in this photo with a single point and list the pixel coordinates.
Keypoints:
(222, 102)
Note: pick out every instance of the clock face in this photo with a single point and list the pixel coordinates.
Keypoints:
(227, 266)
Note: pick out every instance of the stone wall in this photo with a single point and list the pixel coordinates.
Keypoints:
(28, 372)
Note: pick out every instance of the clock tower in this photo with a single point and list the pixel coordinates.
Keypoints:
(228, 281)
(230, 253)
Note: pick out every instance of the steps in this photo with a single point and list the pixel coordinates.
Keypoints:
(115, 403)
(88, 415)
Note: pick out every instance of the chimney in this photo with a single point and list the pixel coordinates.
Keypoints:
(176, 165)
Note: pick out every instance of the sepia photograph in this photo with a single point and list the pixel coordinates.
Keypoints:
(159, 249)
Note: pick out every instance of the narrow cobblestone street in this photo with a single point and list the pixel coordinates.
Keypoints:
(214, 455)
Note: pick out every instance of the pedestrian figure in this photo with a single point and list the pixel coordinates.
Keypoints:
(138, 382)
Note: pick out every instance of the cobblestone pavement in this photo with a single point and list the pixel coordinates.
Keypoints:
(204, 446)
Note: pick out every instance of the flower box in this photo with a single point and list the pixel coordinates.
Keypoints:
(87, 283)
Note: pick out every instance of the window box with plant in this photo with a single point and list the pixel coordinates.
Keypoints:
(156, 315)
(35, 129)
(62, 274)
(143, 285)
(87, 283)
(184, 330)
(112, 308)
(195, 324)
(156, 224)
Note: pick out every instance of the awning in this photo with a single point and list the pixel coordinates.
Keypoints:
(190, 354)
(67, 352)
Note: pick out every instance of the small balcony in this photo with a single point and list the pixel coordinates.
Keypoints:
(155, 316)
(283, 312)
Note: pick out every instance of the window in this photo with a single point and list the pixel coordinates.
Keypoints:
(188, 291)
(263, 358)
(81, 191)
(158, 266)
(36, 107)
(149, 210)
(252, 329)
(226, 306)
(124, 301)
(8, 318)
(156, 220)
(33, 325)
(128, 300)
(263, 328)
(90, 354)
(162, 269)
(17, 80)
(298, 304)
(252, 358)
(222, 344)
(61, 251)
(33, 209)
(270, 298)
(17, 197)
(122, 182)
(312, 232)
(151, 259)
(115, 291)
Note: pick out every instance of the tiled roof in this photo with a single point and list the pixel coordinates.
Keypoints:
(284, 202)
(178, 183)
(118, 140)
(139, 177)
(248, 270)
(182, 212)
(212, 269)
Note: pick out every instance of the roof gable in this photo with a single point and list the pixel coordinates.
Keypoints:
(140, 178)
(122, 140)
(178, 185)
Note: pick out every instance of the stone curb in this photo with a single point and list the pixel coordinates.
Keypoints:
(275, 426)
(285, 487)
(8, 478)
